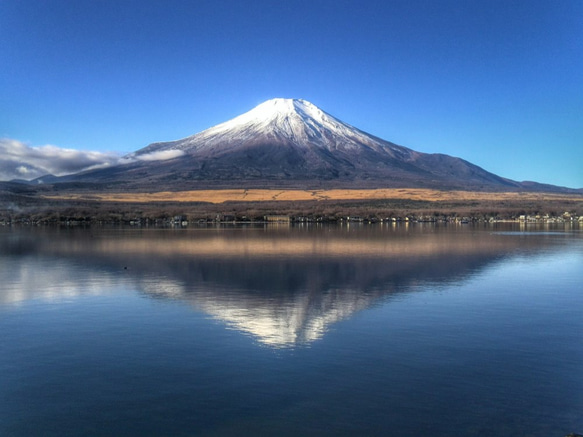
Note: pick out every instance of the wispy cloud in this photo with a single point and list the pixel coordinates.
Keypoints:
(21, 161)
(162, 155)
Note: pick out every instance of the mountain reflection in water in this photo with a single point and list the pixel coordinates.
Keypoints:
(285, 286)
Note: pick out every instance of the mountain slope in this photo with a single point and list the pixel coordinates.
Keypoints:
(288, 142)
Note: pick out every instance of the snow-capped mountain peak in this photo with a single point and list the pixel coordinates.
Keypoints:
(292, 141)
(278, 109)
(279, 121)
(287, 118)
(274, 112)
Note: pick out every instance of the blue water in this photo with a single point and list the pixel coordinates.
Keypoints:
(361, 330)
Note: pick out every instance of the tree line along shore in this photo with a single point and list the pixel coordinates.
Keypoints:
(73, 212)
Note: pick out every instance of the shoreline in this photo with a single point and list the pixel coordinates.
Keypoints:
(292, 205)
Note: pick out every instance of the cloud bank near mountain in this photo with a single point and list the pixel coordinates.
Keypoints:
(22, 161)
(162, 155)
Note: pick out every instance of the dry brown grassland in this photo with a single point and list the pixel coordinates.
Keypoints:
(271, 195)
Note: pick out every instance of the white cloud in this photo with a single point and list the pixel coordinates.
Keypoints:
(22, 170)
(21, 161)
(162, 155)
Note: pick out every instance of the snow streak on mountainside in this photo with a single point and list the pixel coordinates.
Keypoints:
(290, 143)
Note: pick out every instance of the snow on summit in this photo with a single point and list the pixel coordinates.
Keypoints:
(278, 120)
(287, 116)
(274, 109)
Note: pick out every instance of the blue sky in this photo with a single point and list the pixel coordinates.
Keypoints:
(496, 82)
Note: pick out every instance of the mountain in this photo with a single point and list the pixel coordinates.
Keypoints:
(285, 143)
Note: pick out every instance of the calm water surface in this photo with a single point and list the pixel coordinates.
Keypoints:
(360, 330)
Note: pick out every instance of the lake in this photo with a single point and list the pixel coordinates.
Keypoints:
(344, 330)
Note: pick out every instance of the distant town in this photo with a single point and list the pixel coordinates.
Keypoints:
(566, 218)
